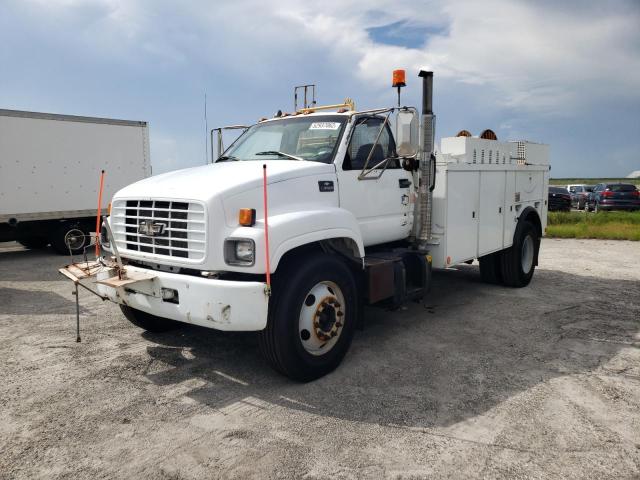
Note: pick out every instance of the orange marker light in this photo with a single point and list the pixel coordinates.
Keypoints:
(399, 78)
(247, 217)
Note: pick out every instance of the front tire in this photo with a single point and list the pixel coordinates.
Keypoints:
(147, 321)
(518, 261)
(312, 317)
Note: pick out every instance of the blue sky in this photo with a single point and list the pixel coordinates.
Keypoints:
(563, 73)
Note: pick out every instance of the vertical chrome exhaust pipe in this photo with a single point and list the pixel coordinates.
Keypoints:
(427, 138)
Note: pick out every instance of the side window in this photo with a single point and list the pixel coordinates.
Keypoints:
(363, 140)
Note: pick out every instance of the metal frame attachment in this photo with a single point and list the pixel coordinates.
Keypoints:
(306, 89)
(367, 172)
(348, 103)
(219, 144)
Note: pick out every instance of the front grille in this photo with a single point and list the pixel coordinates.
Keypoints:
(165, 228)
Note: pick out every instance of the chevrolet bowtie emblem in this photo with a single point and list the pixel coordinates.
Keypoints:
(150, 228)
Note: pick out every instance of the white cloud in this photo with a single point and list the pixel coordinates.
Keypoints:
(533, 55)
(519, 61)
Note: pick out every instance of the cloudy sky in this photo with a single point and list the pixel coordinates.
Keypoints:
(564, 73)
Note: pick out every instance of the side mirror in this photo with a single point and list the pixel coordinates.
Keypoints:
(407, 142)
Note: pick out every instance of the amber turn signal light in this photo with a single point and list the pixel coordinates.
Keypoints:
(247, 217)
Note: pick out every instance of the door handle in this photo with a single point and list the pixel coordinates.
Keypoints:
(404, 183)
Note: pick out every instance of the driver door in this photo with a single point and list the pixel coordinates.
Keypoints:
(382, 206)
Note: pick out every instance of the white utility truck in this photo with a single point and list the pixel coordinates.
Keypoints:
(50, 167)
(308, 217)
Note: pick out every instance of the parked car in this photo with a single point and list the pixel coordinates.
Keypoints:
(579, 194)
(613, 196)
(559, 199)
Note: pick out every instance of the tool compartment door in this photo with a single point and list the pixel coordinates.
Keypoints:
(491, 218)
(462, 215)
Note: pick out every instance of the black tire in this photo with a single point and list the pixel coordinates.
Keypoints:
(34, 242)
(77, 233)
(281, 342)
(490, 271)
(148, 322)
(513, 258)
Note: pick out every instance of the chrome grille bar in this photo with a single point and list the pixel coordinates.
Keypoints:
(181, 225)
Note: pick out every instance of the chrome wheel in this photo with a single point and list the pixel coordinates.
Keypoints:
(322, 317)
(527, 254)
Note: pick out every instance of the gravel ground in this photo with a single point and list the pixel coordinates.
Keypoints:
(484, 382)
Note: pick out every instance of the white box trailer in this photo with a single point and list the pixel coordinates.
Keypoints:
(50, 168)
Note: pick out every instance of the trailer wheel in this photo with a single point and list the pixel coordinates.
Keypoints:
(490, 269)
(148, 322)
(71, 236)
(518, 262)
(312, 318)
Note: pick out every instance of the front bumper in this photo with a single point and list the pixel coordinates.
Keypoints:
(219, 304)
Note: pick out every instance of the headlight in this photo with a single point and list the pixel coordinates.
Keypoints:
(104, 237)
(239, 251)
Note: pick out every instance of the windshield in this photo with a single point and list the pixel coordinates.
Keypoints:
(313, 138)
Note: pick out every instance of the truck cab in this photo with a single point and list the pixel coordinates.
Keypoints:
(307, 217)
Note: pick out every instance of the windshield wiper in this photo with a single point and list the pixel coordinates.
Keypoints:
(224, 158)
(280, 154)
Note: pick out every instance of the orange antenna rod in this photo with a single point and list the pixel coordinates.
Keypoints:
(266, 226)
(99, 214)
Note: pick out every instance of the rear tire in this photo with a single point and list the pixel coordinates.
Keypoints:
(490, 271)
(312, 317)
(149, 322)
(518, 261)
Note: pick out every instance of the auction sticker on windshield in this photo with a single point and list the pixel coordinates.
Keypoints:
(324, 126)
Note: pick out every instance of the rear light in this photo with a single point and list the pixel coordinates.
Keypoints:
(607, 193)
(566, 197)
(636, 193)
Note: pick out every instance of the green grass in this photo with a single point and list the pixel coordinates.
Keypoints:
(592, 181)
(603, 225)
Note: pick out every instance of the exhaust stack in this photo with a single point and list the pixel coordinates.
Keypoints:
(427, 161)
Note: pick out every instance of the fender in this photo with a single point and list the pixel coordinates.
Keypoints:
(289, 230)
(531, 215)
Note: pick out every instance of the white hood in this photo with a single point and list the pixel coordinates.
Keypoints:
(226, 178)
